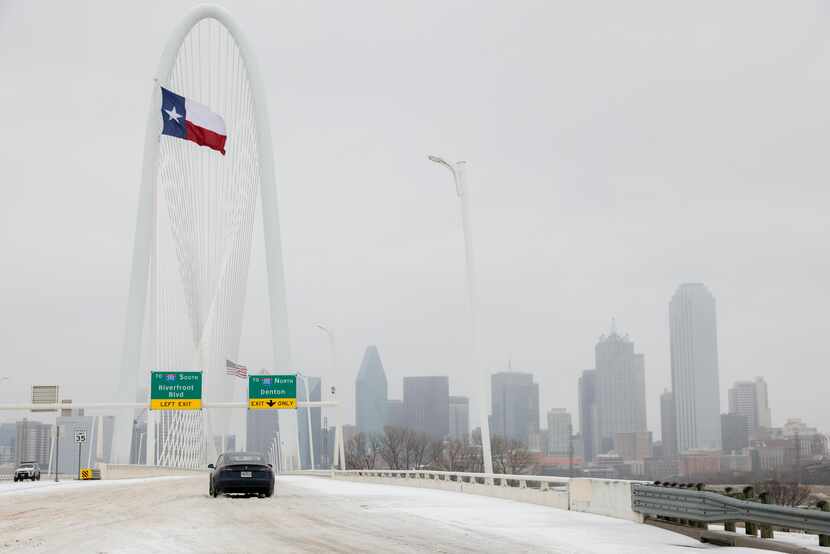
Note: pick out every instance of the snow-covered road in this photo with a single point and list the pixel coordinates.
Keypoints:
(308, 514)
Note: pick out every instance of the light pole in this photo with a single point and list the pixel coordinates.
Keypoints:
(339, 447)
(310, 435)
(458, 171)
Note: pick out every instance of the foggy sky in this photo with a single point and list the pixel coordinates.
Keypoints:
(615, 150)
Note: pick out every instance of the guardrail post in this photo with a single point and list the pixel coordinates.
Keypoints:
(766, 530)
(824, 506)
(729, 525)
(701, 524)
(749, 527)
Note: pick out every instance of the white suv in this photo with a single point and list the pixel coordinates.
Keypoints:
(27, 470)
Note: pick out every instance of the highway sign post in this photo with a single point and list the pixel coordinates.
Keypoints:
(80, 439)
(176, 390)
(272, 392)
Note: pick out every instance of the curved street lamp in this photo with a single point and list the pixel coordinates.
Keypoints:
(458, 170)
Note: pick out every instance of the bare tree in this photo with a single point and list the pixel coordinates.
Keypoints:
(436, 454)
(416, 450)
(516, 458)
(373, 450)
(784, 494)
(393, 447)
(355, 449)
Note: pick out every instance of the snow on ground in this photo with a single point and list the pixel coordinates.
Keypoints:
(308, 514)
(799, 539)
(30, 487)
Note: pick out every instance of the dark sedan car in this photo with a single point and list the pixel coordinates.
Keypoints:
(242, 472)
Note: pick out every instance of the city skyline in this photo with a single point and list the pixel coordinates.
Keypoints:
(569, 231)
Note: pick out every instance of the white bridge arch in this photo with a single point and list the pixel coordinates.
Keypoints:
(193, 236)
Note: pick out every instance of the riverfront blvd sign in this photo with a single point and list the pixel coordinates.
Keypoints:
(272, 392)
(176, 390)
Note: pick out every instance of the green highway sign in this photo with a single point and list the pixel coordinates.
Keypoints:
(175, 390)
(272, 392)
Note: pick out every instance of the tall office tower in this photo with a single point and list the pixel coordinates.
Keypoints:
(559, 431)
(395, 416)
(314, 391)
(262, 431)
(460, 418)
(743, 401)
(370, 393)
(749, 399)
(668, 424)
(734, 432)
(764, 413)
(588, 414)
(515, 406)
(694, 367)
(621, 389)
(426, 405)
(33, 442)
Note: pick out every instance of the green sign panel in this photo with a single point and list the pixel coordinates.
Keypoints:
(175, 390)
(272, 392)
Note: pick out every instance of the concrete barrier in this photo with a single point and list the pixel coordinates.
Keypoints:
(546, 491)
(606, 497)
(127, 471)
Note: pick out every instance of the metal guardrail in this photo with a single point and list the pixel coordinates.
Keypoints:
(541, 482)
(710, 507)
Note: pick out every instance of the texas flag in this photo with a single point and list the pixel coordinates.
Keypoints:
(189, 120)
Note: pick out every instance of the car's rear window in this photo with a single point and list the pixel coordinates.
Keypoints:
(241, 457)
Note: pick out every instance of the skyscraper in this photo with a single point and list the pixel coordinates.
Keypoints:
(668, 424)
(395, 416)
(559, 431)
(694, 367)
(588, 413)
(734, 432)
(426, 405)
(32, 442)
(460, 418)
(749, 399)
(621, 389)
(515, 406)
(370, 393)
(262, 429)
(314, 389)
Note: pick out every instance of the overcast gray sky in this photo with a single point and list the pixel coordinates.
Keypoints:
(615, 150)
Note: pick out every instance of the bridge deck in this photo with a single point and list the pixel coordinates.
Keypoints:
(309, 514)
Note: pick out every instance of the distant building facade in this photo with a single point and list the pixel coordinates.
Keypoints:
(694, 367)
(515, 406)
(262, 428)
(734, 432)
(668, 424)
(426, 405)
(749, 399)
(33, 442)
(635, 446)
(559, 432)
(395, 416)
(371, 393)
(620, 388)
(460, 418)
(588, 414)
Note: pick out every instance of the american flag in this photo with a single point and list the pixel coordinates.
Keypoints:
(233, 368)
